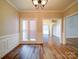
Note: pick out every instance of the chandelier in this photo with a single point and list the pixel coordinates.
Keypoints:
(39, 3)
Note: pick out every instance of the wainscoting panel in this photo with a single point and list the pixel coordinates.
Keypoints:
(7, 43)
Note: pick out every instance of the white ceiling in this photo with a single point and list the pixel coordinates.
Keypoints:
(51, 5)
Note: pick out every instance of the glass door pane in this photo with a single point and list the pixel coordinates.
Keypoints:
(25, 30)
(32, 30)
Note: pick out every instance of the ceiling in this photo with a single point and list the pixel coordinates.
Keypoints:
(51, 5)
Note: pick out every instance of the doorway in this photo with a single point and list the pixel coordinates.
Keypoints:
(29, 30)
(46, 31)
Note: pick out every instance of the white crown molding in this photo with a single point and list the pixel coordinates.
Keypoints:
(41, 11)
(70, 6)
(72, 14)
(12, 4)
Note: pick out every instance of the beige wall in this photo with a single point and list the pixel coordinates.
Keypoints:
(9, 18)
(9, 22)
(72, 10)
(40, 16)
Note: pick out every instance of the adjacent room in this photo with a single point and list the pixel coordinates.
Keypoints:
(38, 29)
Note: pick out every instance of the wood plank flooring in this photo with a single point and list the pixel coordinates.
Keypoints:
(25, 52)
(50, 50)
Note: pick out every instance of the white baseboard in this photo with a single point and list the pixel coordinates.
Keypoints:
(72, 37)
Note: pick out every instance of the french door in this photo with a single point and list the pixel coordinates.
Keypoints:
(29, 30)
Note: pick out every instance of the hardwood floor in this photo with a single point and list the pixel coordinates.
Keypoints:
(59, 51)
(50, 50)
(25, 52)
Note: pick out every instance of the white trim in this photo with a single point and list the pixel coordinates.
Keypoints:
(5, 36)
(12, 4)
(8, 43)
(72, 37)
(71, 14)
(41, 11)
(69, 6)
